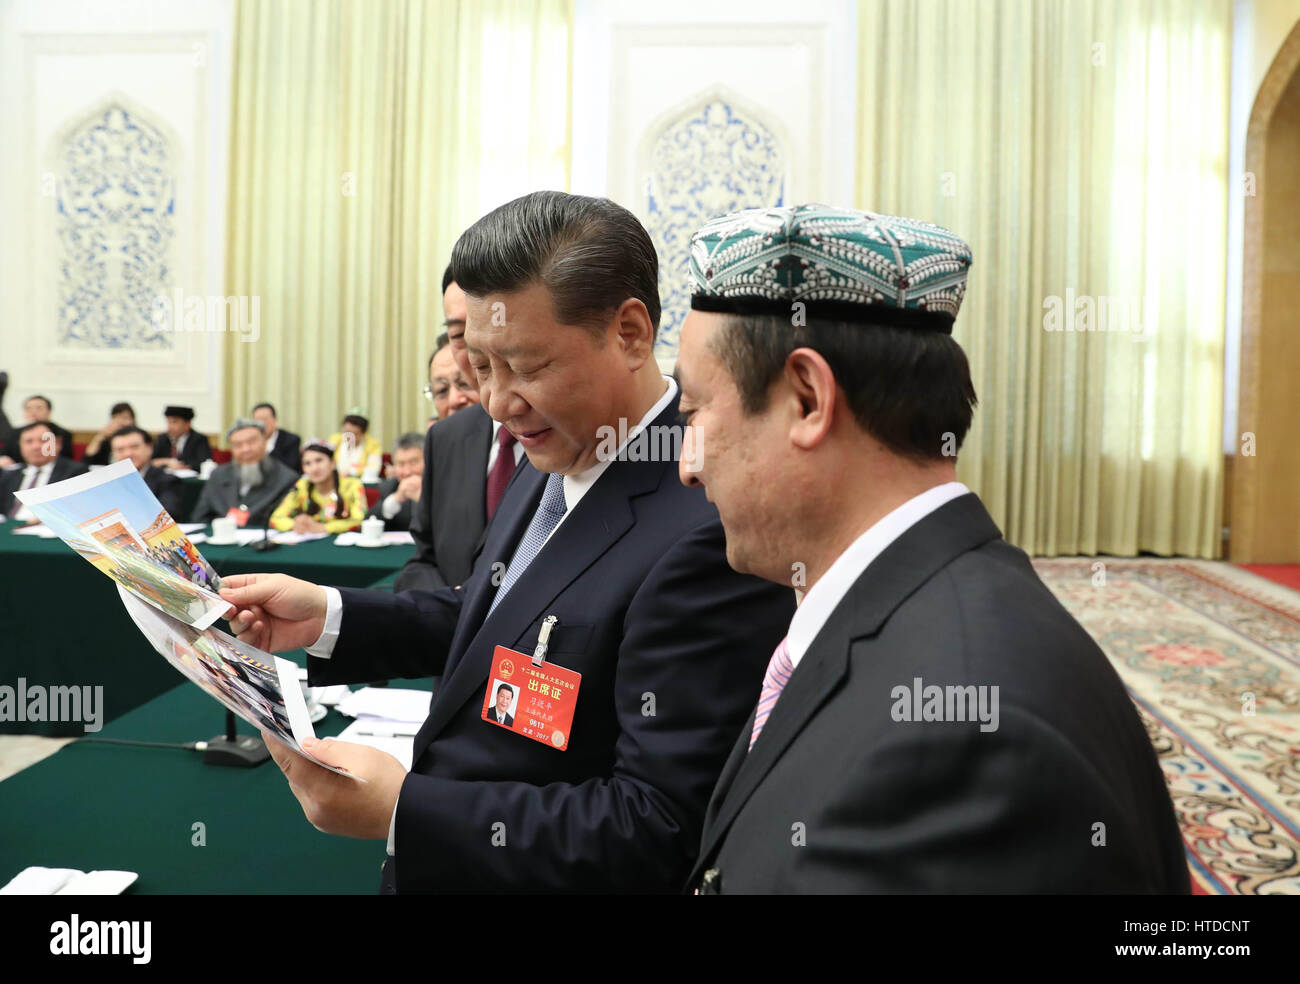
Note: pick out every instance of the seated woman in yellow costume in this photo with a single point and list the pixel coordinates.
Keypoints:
(321, 501)
(357, 453)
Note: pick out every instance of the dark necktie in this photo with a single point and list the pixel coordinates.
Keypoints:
(502, 469)
(28, 482)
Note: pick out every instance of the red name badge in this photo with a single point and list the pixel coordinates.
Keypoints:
(240, 516)
(534, 701)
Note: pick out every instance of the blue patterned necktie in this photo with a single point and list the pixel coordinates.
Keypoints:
(549, 513)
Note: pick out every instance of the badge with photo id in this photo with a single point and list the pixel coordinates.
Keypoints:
(530, 696)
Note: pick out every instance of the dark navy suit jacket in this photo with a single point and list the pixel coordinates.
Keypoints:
(671, 644)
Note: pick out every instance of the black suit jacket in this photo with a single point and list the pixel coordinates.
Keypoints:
(167, 489)
(288, 450)
(841, 794)
(671, 644)
(401, 521)
(221, 492)
(449, 520)
(11, 479)
(194, 453)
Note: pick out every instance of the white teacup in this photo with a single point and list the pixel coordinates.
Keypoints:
(223, 530)
(372, 530)
(206, 469)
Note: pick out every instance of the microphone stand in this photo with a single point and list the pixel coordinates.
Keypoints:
(231, 749)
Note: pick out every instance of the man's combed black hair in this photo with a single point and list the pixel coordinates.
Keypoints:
(910, 389)
(591, 254)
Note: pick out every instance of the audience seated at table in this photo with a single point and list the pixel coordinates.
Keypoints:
(282, 445)
(249, 485)
(98, 451)
(37, 409)
(133, 443)
(40, 448)
(181, 446)
(357, 453)
(398, 493)
(321, 501)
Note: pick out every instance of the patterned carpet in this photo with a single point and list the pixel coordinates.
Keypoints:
(1211, 656)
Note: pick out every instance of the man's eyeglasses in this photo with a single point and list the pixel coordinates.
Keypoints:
(443, 390)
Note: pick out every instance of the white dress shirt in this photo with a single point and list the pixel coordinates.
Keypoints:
(494, 449)
(42, 473)
(824, 597)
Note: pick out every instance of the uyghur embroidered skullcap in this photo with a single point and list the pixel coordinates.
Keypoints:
(839, 263)
(243, 423)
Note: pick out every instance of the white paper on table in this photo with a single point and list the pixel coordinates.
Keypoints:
(401, 748)
(188, 528)
(288, 537)
(68, 881)
(40, 529)
(395, 537)
(388, 704)
(183, 472)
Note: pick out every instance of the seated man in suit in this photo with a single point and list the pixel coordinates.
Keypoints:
(282, 445)
(98, 451)
(934, 720)
(601, 560)
(133, 443)
(399, 495)
(37, 409)
(468, 461)
(181, 446)
(250, 485)
(39, 445)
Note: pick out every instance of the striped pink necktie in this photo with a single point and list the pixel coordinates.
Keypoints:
(778, 673)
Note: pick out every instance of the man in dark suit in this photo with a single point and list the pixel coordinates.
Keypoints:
(180, 446)
(250, 483)
(133, 443)
(37, 409)
(623, 565)
(282, 445)
(934, 720)
(400, 494)
(468, 460)
(39, 446)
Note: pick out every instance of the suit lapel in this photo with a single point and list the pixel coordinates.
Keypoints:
(906, 564)
(596, 523)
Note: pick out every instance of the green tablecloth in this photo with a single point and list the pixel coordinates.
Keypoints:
(94, 806)
(62, 623)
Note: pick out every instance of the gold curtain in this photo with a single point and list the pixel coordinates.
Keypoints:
(1081, 147)
(366, 135)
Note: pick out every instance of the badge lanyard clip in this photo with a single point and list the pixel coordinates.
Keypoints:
(543, 639)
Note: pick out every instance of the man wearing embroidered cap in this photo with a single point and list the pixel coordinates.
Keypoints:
(934, 720)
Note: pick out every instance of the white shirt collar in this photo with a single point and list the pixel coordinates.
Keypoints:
(824, 597)
(576, 486)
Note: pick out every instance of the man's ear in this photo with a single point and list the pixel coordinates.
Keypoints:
(811, 389)
(635, 332)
